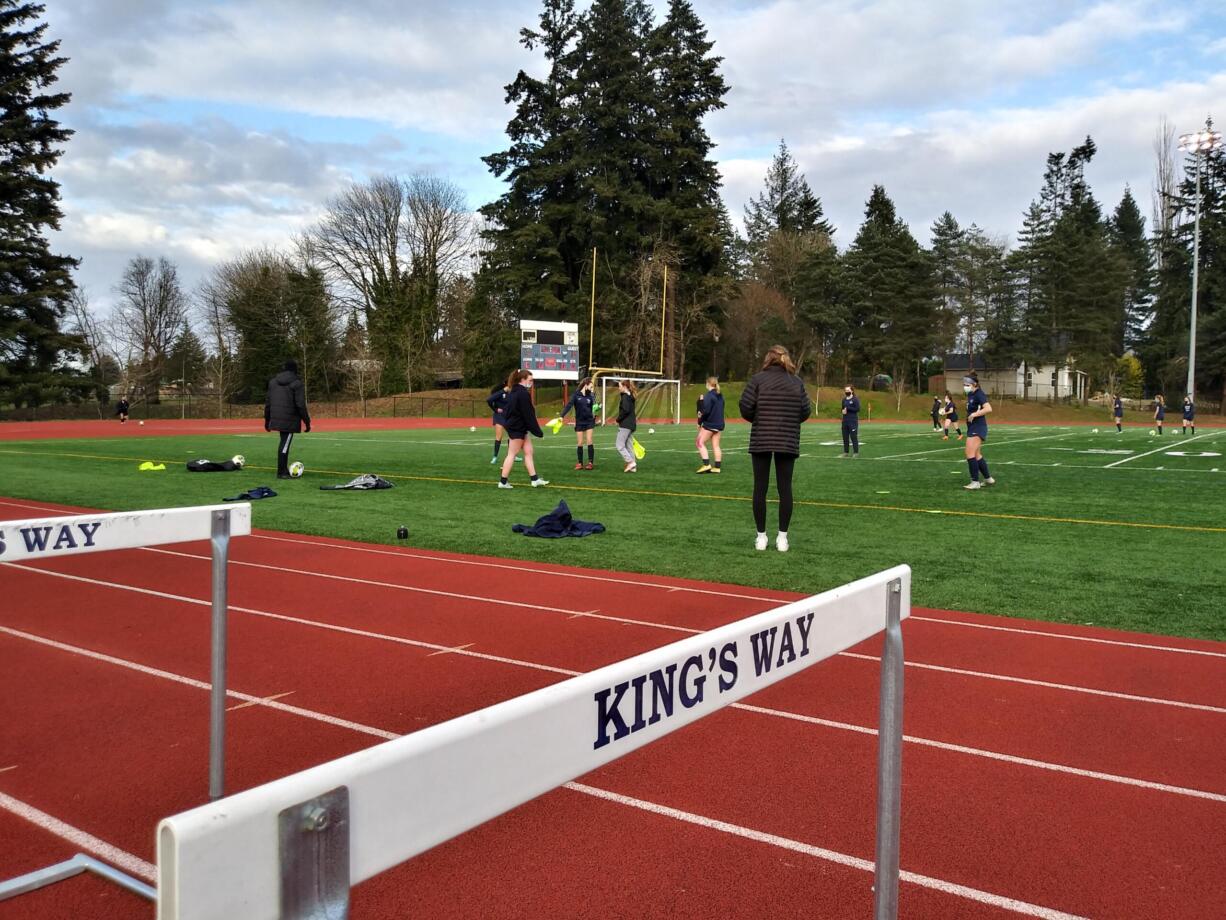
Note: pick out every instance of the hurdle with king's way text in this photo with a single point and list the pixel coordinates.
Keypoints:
(292, 848)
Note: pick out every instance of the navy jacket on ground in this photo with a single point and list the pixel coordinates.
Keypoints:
(521, 414)
(559, 523)
(711, 411)
(285, 409)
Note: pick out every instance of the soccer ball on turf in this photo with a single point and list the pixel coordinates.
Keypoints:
(651, 431)
(472, 427)
(1152, 432)
(296, 469)
(238, 460)
(1095, 431)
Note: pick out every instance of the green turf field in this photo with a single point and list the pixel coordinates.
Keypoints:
(1125, 530)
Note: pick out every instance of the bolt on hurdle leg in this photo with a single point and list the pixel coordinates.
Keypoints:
(217, 714)
(889, 761)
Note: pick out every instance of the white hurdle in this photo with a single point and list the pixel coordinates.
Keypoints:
(292, 848)
(54, 537)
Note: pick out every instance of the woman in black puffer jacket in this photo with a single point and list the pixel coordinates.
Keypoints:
(285, 411)
(775, 403)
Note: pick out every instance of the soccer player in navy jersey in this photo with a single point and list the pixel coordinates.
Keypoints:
(1118, 411)
(1189, 415)
(977, 409)
(1159, 411)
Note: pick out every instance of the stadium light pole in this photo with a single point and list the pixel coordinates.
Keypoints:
(1198, 144)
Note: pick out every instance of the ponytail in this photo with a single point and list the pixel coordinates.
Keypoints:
(517, 376)
(713, 382)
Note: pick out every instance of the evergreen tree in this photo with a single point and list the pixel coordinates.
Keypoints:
(947, 248)
(1164, 349)
(608, 152)
(1128, 242)
(891, 293)
(786, 204)
(35, 284)
(185, 365)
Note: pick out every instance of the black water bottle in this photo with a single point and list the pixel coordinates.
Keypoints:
(402, 532)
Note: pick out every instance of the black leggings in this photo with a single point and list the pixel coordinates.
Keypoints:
(784, 463)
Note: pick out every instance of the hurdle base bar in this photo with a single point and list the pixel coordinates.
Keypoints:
(41, 878)
(314, 850)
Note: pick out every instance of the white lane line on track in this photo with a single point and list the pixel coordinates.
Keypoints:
(761, 710)
(993, 755)
(685, 630)
(689, 631)
(1050, 685)
(192, 682)
(130, 863)
(671, 588)
(398, 587)
(923, 618)
(842, 859)
(517, 568)
(348, 630)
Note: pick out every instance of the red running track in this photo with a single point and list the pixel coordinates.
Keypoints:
(1049, 770)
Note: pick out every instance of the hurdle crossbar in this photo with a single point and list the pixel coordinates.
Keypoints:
(293, 848)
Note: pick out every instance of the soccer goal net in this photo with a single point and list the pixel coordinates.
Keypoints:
(656, 400)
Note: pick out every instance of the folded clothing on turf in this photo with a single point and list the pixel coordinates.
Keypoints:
(201, 465)
(252, 494)
(363, 482)
(149, 466)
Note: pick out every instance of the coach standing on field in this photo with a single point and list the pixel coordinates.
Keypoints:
(285, 411)
(776, 404)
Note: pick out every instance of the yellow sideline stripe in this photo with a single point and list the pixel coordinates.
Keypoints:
(846, 506)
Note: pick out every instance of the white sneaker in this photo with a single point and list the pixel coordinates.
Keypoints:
(539, 482)
(973, 485)
(760, 542)
(781, 542)
(990, 481)
(505, 485)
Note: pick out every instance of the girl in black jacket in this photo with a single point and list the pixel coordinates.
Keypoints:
(775, 403)
(285, 411)
(627, 424)
(519, 419)
(710, 426)
(583, 402)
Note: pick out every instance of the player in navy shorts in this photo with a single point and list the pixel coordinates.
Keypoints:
(1189, 415)
(584, 403)
(1159, 411)
(977, 409)
(1118, 412)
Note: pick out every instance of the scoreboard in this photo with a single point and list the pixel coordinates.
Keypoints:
(550, 350)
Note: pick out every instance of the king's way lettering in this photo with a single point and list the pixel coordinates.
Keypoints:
(643, 700)
(39, 539)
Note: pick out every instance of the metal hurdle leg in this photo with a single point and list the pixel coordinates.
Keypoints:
(40, 878)
(889, 761)
(217, 716)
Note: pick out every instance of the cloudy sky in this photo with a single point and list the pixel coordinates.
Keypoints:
(204, 127)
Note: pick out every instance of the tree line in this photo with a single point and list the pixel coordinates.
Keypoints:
(610, 182)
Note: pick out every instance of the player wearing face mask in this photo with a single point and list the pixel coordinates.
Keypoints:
(977, 409)
(851, 422)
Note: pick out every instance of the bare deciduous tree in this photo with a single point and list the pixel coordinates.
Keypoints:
(150, 312)
(220, 340)
(1166, 185)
